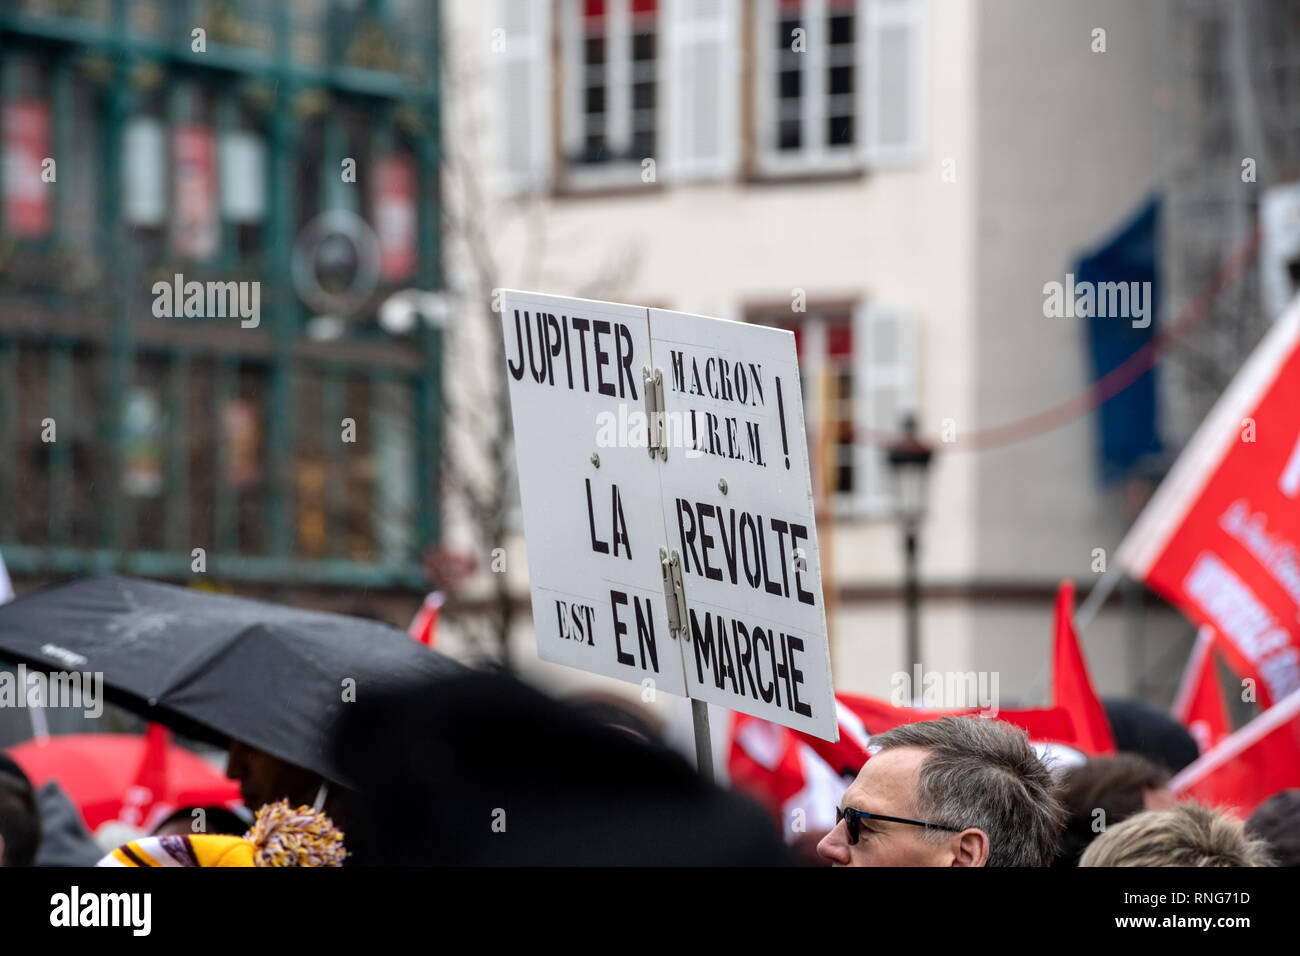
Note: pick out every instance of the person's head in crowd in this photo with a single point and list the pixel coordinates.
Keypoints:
(265, 779)
(184, 821)
(1142, 729)
(1105, 791)
(961, 791)
(1277, 822)
(566, 790)
(20, 821)
(1186, 834)
(619, 714)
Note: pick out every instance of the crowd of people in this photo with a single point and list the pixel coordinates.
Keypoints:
(500, 774)
(964, 791)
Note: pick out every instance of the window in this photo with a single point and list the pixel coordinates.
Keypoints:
(611, 115)
(824, 341)
(856, 365)
(638, 79)
(814, 72)
(837, 84)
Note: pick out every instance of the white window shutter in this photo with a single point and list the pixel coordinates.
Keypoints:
(700, 80)
(766, 103)
(526, 78)
(144, 172)
(884, 345)
(890, 59)
(572, 59)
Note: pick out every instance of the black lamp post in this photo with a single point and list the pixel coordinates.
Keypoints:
(909, 459)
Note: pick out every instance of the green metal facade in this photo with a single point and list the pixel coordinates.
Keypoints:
(315, 81)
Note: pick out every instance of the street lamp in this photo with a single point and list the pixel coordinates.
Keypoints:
(909, 460)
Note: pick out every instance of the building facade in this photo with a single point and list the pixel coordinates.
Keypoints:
(896, 181)
(219, 228)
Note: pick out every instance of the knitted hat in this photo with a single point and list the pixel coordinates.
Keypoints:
(302, 837)
(280, 836)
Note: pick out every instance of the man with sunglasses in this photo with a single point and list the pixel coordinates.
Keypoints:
(958, 791)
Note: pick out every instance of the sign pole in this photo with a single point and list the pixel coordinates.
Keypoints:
(703, 743)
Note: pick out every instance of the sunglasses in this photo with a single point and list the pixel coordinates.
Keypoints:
(852, 818)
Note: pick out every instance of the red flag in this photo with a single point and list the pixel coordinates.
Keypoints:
(1071, 686)
(424, 626)
(779, 769)
(1198, 705)
(150, 786)
(1249, 766)
(152, 772)
(1221, 535)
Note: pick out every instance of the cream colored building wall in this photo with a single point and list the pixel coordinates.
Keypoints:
(1070, 144)
(1049, 149)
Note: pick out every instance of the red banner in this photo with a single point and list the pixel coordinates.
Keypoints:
(29, 203)
(1219, 539)
(395, 217)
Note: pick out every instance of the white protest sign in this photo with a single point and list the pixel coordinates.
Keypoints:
(592, 531)
(713, 531)
(739, 512)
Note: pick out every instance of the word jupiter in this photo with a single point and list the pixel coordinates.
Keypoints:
(579, 352)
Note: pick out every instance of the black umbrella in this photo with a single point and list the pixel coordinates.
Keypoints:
(218, 667)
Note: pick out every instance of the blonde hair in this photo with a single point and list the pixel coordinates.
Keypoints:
(1184, 835)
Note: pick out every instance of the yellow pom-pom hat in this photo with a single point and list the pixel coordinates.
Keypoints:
(281, 836)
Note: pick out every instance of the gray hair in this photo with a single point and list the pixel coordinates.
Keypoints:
(983, 773)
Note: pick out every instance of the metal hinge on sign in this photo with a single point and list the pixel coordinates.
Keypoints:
(674, 593)
(654, 410)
